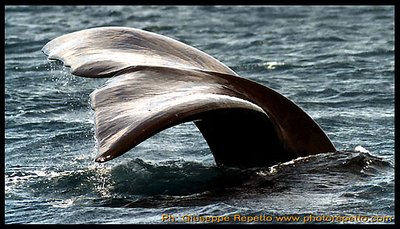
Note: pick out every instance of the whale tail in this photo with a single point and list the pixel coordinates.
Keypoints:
(158, 82)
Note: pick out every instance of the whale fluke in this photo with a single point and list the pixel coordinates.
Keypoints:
(101, 52)
(158, 82)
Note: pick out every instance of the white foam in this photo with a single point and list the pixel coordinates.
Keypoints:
(361, 149)
(273, 64)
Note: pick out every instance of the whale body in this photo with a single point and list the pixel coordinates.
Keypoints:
(157, 82)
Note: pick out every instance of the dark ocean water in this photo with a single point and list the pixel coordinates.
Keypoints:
(337, 63)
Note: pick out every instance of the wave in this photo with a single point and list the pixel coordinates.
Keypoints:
(139, 183)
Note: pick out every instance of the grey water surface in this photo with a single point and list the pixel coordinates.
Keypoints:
(337, 63)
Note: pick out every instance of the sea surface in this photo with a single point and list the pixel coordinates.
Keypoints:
(337, 63)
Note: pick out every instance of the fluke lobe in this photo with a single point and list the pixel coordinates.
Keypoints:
(158, 82)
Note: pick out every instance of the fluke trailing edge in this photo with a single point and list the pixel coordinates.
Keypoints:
(158, 82)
